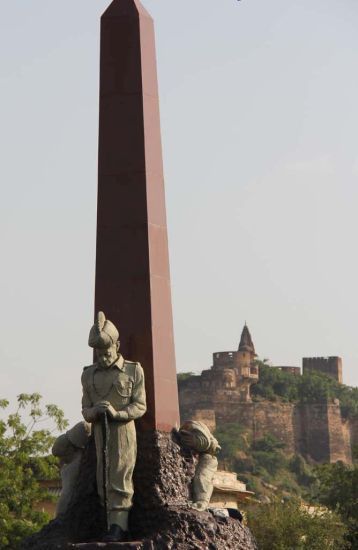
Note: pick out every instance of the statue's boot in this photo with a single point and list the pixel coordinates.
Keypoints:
(115, 534)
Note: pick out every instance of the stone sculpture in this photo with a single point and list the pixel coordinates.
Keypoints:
(69, 448)
(197, 437)
(113, 392)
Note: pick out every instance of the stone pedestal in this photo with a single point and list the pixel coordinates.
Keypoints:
(160, 519)
(112, 546)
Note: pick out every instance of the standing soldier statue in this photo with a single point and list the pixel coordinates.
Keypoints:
(113, 397)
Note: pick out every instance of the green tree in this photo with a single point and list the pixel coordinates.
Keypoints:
(274, 383)
(232, 439)
(303, 472)
(24, 459)
(267, 454)
(316, 387)
(289, 526)
(182, 376)
(348, 397)
(338, 489)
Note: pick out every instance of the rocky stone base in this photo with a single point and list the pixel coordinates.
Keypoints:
(112, 546)
(182, 529)
(160, 518)
(187, 529)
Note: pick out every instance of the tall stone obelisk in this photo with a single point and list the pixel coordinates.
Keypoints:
(132, 262)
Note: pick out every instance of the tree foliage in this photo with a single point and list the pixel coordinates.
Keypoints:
(290, 526)
(337, 488)
(24, 460)
(311, 387)
(267, 455)
(231, 437)
(182, 376)
(263, 456)
(304, 474)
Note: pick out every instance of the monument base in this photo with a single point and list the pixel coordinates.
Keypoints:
(160, 519)
(112, 546)
(185, 529)
(181, 529)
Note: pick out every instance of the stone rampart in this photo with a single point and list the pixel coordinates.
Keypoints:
(315, 430)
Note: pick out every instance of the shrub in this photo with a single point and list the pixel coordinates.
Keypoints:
(288, 526)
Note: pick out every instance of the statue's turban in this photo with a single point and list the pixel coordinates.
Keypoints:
(197, 436)
(79, 434)
(103, 334)
(77, 437)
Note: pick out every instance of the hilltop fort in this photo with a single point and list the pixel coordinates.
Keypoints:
(223, 394)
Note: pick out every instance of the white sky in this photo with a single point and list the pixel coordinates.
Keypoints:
(259, 122)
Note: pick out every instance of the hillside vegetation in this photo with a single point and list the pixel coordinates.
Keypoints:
(311, 387)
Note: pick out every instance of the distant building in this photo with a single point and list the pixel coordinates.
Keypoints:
(233, 370)
(228, 492)
(331, 366)
(53, 486)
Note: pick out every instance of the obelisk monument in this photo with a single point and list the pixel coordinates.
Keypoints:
(132, 262)
(133, 289)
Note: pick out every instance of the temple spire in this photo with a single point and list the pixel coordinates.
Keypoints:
(246, 343)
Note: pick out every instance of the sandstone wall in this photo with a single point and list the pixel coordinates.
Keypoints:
(259, 419)
(313, 430)
(325, 437)
(339, 437)
(353, 431)
(192, 398)
(207, 416)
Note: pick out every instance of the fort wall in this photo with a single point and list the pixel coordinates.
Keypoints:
(221, 395)
(331, 366)
(352, 428)
(315, 430)
(315, 440)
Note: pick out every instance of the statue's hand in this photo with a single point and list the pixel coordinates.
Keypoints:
(112, 412)
(100, 408)
(102, 404)
(105, 406)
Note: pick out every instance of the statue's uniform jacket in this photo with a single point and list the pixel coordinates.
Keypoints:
(122, 385)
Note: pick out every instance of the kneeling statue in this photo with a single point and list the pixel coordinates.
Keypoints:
(197, 437)
(69, 449)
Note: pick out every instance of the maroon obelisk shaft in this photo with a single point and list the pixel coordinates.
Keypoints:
(132, 262)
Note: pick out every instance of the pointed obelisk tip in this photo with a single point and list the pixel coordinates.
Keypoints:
(126, 8)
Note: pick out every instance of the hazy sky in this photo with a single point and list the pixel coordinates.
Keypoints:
(259, 122)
